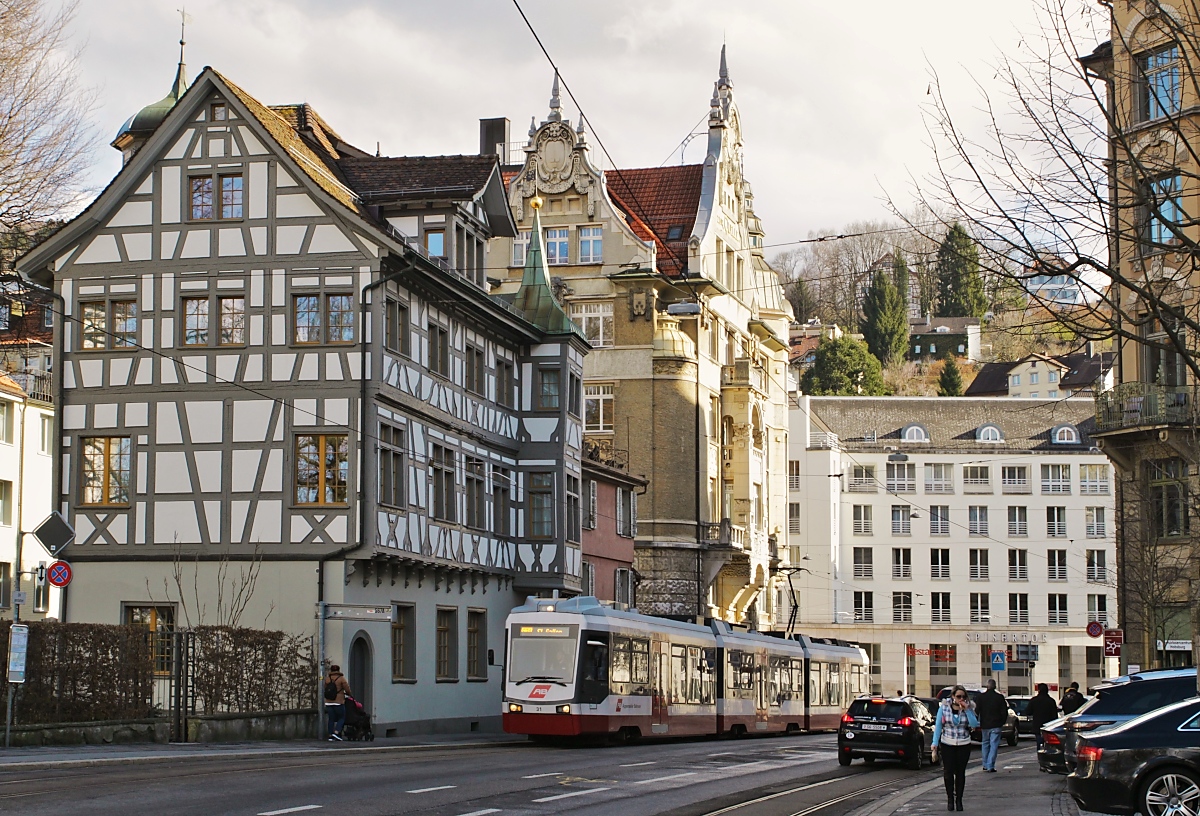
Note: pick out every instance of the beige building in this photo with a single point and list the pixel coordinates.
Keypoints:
(686, 381)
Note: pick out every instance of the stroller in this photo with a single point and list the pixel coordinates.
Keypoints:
(358, 722)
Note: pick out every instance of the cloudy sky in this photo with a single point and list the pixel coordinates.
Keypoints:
(830, 93)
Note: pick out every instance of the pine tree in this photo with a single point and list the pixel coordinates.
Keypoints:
(900, 277)
(844, 367)
(950, 383)
(885, 321)
(960, 286)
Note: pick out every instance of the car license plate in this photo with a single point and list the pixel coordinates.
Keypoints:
(875, 728)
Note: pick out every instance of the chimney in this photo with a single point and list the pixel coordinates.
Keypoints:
(1091, 348)
(493, 138)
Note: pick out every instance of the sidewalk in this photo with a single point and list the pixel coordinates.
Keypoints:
(1016, 787)
(67, 756)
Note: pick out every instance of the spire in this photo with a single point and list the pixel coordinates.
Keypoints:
(724, 81)
(535, 300)
(555, 106)
(180, 84)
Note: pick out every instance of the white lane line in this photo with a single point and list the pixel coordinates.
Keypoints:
(727, 753)
(539, 776)
(664, 778)
(571, 794)
(639, 764)
(481, 812)
(430, 790)
(290, 810)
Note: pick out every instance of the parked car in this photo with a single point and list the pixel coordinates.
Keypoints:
(1024, 725)
(1150, 764)
(1051, 753)
(892, 728)
(1008, 731)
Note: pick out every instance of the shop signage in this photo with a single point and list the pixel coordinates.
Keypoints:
(1006, 637)
(1175, 646)
(944, 655)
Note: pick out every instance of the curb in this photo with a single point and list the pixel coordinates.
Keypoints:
(213, 756)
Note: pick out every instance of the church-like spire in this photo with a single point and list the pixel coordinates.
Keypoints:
(555, 105)
(724, 81)
(535, 299)
(180, 84)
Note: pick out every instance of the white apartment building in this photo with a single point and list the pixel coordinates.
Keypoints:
(936, 531)
(26, 493)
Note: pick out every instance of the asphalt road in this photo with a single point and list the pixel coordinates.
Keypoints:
(748, 777)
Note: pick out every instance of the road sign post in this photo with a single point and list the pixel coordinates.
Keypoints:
(59, 574)
(18, 646)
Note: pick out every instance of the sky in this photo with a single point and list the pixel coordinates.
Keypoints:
(831, 94)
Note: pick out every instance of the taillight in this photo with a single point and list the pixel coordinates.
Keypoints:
(847, 718)
(1051, 739)
(1090, 753)
(905, 721)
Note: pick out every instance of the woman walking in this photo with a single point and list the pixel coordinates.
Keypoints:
(952, 740)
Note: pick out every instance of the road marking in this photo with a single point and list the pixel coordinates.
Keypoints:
(481, 812)
(572, 793)
(727, 753)
(663, 778)
(430, 790)
(537, 776)
(750, 764)
(290, 810)
(639, 764)
(1013, 767)
(771, 796)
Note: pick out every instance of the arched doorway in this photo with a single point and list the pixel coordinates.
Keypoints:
(360, 670)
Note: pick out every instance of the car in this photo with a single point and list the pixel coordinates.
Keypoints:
(1123, 698)
(876, 727)
(1008, 731)
(1024, 725)
(1149, 764)
(1051, 753)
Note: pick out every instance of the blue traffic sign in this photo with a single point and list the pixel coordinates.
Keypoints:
(999, 661)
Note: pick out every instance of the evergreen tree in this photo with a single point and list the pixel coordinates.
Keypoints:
(900, 277)
(927, 284)
(960, 286)
(885, 323)
(950, 383)
(844, 367)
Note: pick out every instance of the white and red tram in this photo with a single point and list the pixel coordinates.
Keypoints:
(576, 667)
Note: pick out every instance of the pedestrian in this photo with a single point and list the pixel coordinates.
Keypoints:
(992, 710)
(1040, 710)
(952, 739)
(1072, 700)
(336, 689)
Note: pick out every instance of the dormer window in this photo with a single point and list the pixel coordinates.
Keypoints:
(675, 232)
(914, 433)
(989, 433)
(1065, 435)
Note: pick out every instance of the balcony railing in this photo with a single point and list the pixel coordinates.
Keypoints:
(725, 533)
(38, 385)
(1136, 404)
(743, 374)
(821, 440)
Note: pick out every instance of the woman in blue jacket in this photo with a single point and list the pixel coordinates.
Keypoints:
(952, 740)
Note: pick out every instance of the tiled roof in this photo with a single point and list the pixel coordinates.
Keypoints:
(656, 199)
(304, 119)
(417, 176)
(1082, 370)
(956, 325)
(803, 346)
(9, 386)
(992, 379)
(952, 421)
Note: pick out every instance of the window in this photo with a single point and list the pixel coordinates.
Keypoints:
(195, 321)
(864, 562)
(591, 245)
(6, 500)
(989, 433)
(322, 469)
(5, 316)
(939, 478)
(505, 383)
(1168, 497)
(939, 607)
(624, 590)
(106, 469)
(901, 478)
(108, 325)
(626, 513)
(160, 621)
(435, 243)
(47, 317)
(596, 320)
(1018, 608)
(441, 471)
(447, 645)
(520, 247)
(939, 564)
(1056, 479)
(1056, 565)
(597, 408)
(5, 585)
(1052, 393)
(1056, 522)
(939, 519)
(475, 376)
(1156, 84)
(549, 388)
(979, 564)
(6, 421)
(1014, 479)
(1051, 376)
(1033, 378)
(1093, 480)
(574, 394)
(794, 517)
(981, 611)
(793, 474)
(557, 251)
(977, 520)
(203, 207)
(541, 505)
(915, 433)
(862, 479)
(1014, 379)
(574, 510)
(1065, 435)
(901, 607)
(397, 331)
(901, 562)
(1018, 565)
(46, 439)
(315, 322)
(1056, 609)
(404, 642)
(587, 578)
(977, 477)
(1018, 521)
(501, 501)
(392, 445)
(1097, 570)
(901, 519)
(864, 607)
(439, 350)
(1095, 526)
(590, 509)
(475, 474)
(219, 113)
(476, 644)
(862, 519)
(231, 316)
(1097, 608)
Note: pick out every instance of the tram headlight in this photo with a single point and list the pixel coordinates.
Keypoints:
(515, 708)
(564, 709)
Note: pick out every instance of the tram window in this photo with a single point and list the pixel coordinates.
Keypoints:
(785, 679)
(708, 674)
(746, 671)
(622, 660)
(678, 674)
(695, 671)
(595, 660)
(834, 696)
(798, 678)
(640, 668)
(775, 682)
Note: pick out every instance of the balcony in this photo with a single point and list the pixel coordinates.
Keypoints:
(744, 374)
(725, 534)
(1138, 405)
(821, 440)
(38, 385)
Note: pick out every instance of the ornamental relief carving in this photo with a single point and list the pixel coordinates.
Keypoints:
(554, 167)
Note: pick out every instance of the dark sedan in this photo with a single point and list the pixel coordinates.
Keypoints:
(1052, 753)
(890, 728)
(1150, 764)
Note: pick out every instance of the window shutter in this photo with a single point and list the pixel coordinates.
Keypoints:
(591, 514)
(632, 514)
(620, 511)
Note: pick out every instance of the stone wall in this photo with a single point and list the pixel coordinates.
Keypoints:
(274, 725)
(668, 583)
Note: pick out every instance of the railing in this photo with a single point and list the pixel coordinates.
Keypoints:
(743, 374)
(602, 450)
(725, 533)
(38, 385)
(822, 440)
(863, 485)
(1136, 404)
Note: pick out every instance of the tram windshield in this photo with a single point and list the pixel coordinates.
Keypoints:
(542, 653)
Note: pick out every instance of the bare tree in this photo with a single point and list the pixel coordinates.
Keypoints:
(45, 134)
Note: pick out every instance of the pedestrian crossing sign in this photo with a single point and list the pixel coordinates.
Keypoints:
(999, 661)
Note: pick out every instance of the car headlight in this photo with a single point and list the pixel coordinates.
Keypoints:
(564, 709)
(515, 708)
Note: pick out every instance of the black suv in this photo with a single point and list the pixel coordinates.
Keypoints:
(893, 728)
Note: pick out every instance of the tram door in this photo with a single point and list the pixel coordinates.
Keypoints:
(762, 691)
(662, 685)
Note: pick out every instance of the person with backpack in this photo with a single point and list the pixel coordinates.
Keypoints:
(1072, 700)
(336, 689)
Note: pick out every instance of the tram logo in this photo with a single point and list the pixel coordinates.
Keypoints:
(539, 692)
(619, 701)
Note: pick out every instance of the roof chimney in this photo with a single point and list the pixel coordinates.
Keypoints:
(493, 138)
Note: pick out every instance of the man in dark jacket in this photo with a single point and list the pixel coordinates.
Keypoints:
(992, 709)
(1041, 710)
(1072, 700)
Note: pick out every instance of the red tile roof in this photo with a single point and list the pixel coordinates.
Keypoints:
(656, 199)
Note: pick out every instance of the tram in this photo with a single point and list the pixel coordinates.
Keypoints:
(578, 667)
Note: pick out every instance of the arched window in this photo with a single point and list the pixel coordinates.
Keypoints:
(757, 429)
(727, 438)
(1065, 435)
(989, 433)
(914, 433)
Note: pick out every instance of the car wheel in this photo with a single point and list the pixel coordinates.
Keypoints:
(1011, 739)
(1171, 792)
(916, 760)
(843, 758)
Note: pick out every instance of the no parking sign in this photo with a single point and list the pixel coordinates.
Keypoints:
(59, 574)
